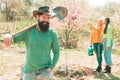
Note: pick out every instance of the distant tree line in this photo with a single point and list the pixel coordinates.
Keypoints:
(15, 9)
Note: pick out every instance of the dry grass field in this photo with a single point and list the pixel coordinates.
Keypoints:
(80, 66)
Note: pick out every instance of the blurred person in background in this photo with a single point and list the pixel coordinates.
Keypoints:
(108, 43)
(96, 41)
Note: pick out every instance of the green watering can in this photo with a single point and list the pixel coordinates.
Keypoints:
(90, 50)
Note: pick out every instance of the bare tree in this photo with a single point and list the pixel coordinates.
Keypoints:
(11, 8)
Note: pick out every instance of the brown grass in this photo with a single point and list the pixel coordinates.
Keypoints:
(80, 66)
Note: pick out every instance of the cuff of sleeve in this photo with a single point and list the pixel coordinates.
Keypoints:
(51, 66)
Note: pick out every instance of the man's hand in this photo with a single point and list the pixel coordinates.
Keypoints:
(49, 69)
(108, 48)
(7, 40)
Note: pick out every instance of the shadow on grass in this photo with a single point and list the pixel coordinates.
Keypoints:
(113, 77)
(103, 76)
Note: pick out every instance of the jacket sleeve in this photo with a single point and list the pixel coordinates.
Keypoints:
(92, 29)
(19, 37)
(55, 49)
(109, 35)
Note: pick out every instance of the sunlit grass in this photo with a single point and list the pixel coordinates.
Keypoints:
(11, 61)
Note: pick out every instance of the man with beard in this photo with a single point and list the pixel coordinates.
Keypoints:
(39, 42)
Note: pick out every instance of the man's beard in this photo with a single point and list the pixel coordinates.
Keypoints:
(43, 26)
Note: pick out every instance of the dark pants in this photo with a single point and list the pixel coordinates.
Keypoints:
(98, 47)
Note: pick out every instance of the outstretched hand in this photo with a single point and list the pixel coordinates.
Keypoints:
(89, 23)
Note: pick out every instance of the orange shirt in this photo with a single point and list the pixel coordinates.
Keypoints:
(96, 35)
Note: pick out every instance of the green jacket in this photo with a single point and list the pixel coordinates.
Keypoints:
(38, 48)
(109, 34)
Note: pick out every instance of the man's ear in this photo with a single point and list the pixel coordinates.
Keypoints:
(37, 17)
